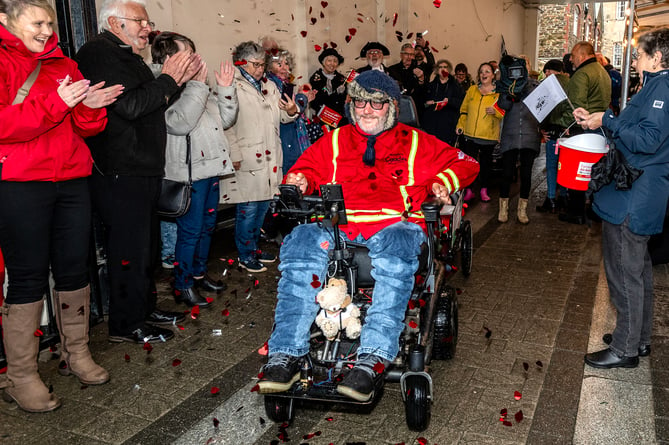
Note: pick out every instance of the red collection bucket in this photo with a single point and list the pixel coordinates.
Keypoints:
(577, 155)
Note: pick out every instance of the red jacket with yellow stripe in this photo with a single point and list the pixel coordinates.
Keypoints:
(408, 162)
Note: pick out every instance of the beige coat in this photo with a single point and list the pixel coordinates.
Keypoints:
(255, 142)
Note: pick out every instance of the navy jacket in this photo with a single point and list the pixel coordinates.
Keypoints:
(641, 134)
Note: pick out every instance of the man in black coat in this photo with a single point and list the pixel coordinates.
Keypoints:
(129, 160)
(374, 52)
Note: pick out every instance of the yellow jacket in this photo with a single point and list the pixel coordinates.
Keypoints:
(474, 121)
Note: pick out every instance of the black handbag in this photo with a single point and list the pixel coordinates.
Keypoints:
(174, 200)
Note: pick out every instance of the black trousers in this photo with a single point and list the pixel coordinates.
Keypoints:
(483, 154)
(509, 159)
(44, 225)
(126, 206)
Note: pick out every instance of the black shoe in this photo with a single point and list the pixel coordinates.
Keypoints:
(644, 350)
(164, 318)
(571, 219)
(360, 382)
(208, 284)
(145, 334)
(190, 297)
(607, 359)
(279, 374)
(549, 206)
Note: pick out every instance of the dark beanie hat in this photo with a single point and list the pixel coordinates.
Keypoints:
(330, 52)
(555, 65)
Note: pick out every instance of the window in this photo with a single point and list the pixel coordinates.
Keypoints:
(621, 7)
(617, 55)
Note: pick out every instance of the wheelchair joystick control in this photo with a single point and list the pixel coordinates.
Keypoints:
(306, 374)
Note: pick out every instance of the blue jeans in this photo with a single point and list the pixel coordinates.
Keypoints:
(629, 273)
(249, 219)
(168, 240)
(551, 170)
(394, 253)
(194, 231)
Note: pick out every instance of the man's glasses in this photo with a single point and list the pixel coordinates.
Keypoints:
(359, 103)
(142, 22)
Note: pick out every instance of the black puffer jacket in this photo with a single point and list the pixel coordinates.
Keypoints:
(133, 143)
(520, 129)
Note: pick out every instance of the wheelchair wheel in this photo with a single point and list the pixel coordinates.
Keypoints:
(417, 403)
(445, 330)
(466, 248)
(279, 409)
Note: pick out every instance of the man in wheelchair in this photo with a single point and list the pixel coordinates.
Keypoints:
(386, 170)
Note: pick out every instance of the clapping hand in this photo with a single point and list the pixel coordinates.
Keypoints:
(73, 92)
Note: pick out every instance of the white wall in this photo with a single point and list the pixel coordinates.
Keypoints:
(468, 31)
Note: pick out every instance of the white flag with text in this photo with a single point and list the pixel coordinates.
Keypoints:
(545, 97)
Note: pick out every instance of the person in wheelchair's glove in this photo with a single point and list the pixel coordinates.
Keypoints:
(386, 170)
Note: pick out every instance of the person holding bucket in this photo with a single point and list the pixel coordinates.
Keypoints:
(641, 136)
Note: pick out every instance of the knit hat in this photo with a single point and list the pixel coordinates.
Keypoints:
(375, 86)
(555, 65)
(330, 52)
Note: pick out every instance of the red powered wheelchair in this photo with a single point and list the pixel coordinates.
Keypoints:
(431, 321)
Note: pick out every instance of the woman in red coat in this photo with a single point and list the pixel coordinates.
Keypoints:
(44, 200)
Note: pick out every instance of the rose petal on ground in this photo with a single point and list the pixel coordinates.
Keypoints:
(519, 416)
(225, 312)
(263, 349)
(216, 422)
(413, 324)
(147, 347)
(379, 367)
(517, 395)
(127, 357)
(195, 312)
(526, 366)
(215, 390)
(176, 362)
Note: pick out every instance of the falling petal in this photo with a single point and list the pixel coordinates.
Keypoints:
(303, 33)
(434, 50)
(322, 15)
(394, 19)
(519, 416)
(409, 36)
(241, 62)
(317, 48)
(436, 3)
(333, 45)
(275, 169)
(38, 333)
(314, 20)
(347, 38)
(209, 300)
(324, 4)
(352, 31)
(517, 395)
(259, 155)
(267, 152)
(176, 362)
(361, 20)
(311, 8)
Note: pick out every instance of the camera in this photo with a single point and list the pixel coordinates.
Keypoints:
(515, 73)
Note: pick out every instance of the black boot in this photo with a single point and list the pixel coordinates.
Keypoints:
(190, 297)
(549, 206)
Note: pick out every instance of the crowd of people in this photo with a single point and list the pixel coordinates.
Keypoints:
(98, 136)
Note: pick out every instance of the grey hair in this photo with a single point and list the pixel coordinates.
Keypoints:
(657, 40)
(440, 62)
(248, 50)
(405, 46)
(14, 8)
(278, 56)
(113, 8)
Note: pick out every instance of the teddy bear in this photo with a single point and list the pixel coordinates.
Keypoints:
(337, 311)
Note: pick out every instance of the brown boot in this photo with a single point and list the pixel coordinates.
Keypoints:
(24, 386)
(503, 215)
(72, 313)
(522, 211)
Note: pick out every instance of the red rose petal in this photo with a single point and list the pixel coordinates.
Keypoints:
(322, 15)
(361, 20)
(209, 300)
(195, 312)
(347, 38)
(38, 333)
(314, 20)
(333, 45)
(255, 388)
(421, 440)
(216, 422)
(125, 262)
(421, 302)
(507, 423)
(519, 416)
(263, 349)
(517, 395)
(324, 4)
(352, 31)
(267, 152)
(275, 169)
(264, 92)
(241, 62)
(436, 3)
(64, 306)
(181, 327)
(329, 419)
(215, 390)
(394, 19)
(379, 367)
(127, 358)
(303, 33)
(325, 245)
(258, 155)
(147, 347)
(225, 312)
(176, 362)
(434, 50)
(317, 47)
(409, 36)
(504, 412)
(412, 304)
(413, 324)
(305, 88)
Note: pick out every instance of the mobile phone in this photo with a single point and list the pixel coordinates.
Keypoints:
(287, 90)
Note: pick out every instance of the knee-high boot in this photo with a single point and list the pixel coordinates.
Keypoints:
(73, 310)
(24, 386)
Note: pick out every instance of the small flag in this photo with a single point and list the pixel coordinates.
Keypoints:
(545, 97)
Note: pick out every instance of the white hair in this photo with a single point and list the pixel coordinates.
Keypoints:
(113, 8)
